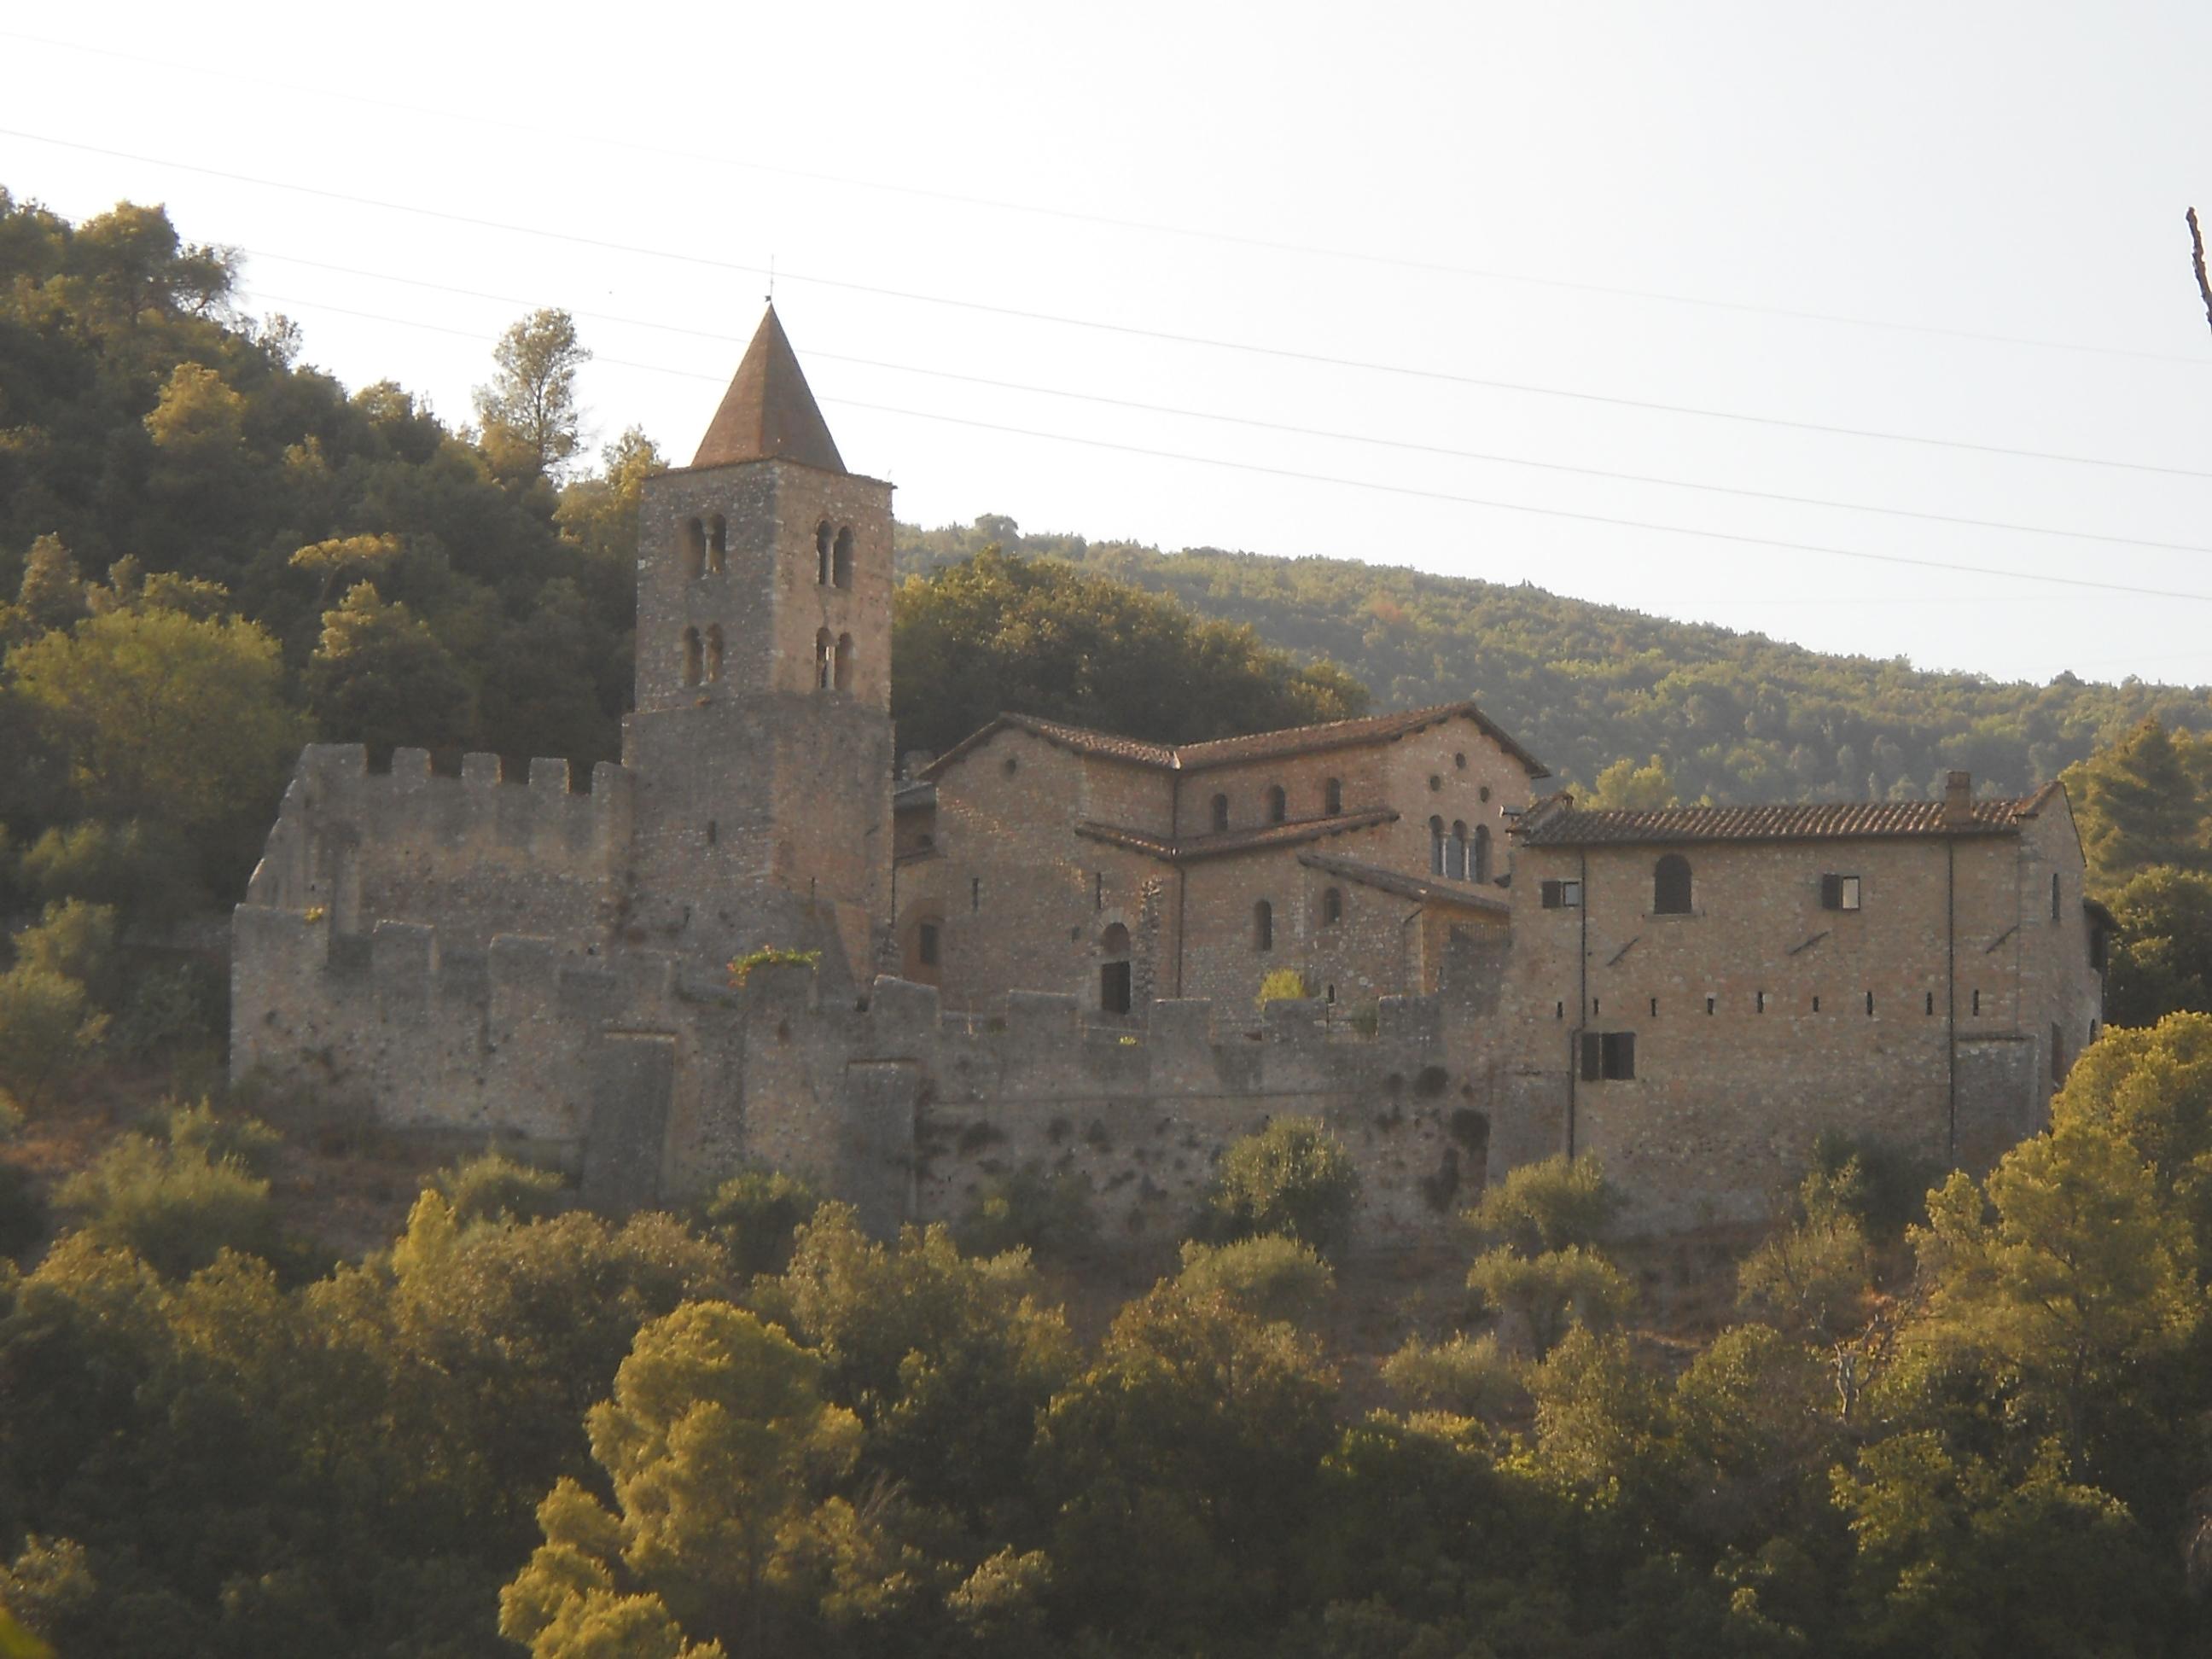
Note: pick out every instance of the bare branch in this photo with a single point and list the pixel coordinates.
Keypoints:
(2196, 250)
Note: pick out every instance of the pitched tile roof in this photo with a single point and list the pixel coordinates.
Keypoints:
(1191, 848)
(768, 413)
(1559, 823)
(1465, 894)
(1229, 751)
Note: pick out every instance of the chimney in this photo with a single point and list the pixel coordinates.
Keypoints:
(1958, 799)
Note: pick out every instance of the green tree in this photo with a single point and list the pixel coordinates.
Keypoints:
(529, 414)
(2161, 961)
(380, 677)
(1269, 1277)
(172, 1206)
(1625, 785)
(1552, 1292)
(52, 593)
(2136, 804)
(717, 1444)
(1293, 1177)
(167, 718)
(1549, 1205)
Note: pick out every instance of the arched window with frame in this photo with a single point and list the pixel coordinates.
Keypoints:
(715, 652)
(840, 560)
(1479, 870)
(841, 669)
(1435, 847)
(1220, 813)
(825, 652)
(691, 656)
(1456, 853)
(1278, 804)
(1670, 886)
(822, 553)
(1332, 796)
(1263, 925)
(718, 544)
(694, 549)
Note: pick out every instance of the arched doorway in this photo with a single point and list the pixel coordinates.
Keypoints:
(1116, 983)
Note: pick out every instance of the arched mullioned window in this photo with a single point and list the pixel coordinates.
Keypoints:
(1479, 870)
(842, 676)
(1332, 796)
(1278, 804)
(841, 560)
(691, 656)
(1221, 812)
(822, 552)
(1456, 853)
(1670, 886)
(695, 548)
(1263, 925)
(1331, 906)
(1435, 847)
(825, 652)
(718, 544)
(715, 652)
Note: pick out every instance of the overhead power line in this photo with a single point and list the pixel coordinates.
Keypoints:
(1129, 330)
(1611, 521)
(323, 92)
(1443, 450)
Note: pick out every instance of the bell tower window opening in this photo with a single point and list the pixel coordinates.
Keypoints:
(1278, 804)
(691, 656)
(1220, 813)
(1670, 886)
(841, 669)
(1435, 847)
(825, 649)
(1458, 852)
(694, 549)
(822, 553)
(840, 560)
(718, 544)
(715, 652)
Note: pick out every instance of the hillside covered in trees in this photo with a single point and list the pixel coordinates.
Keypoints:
(1734, 717)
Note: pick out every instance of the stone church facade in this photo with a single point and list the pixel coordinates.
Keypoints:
(1046, 946)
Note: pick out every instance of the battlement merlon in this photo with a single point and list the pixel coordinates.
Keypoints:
(338, 817)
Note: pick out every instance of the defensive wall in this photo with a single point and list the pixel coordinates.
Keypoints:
(652, 1080)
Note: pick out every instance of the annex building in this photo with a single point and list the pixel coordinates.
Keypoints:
(1047, 945)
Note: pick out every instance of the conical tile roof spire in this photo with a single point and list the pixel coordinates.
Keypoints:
(768, 414)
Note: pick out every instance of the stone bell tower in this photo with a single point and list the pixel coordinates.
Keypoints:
(762, 743)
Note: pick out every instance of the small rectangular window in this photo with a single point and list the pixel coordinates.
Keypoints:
(1758, 1002)
(1098, 889)
(1839, 893)
(925, 944)
(1562, 895)
(1711, 1003)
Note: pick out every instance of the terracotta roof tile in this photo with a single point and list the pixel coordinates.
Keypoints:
(768, 413)
(1427, 891)
(1228, 751)
(1566, 825)
(1191, 848)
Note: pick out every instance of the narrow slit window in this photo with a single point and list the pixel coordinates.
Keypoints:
(1263, 925)
(975, 892)
(1869, 1000)
(1332, 796)
(1220, 813)
(1711, 1004)
(695, 548)
(840, 560)
(1278, 804)
(718, 544)
(825, 666)
(1331, 906)
(822, 553)
(715, 652)
(842, 668)
(691, 656)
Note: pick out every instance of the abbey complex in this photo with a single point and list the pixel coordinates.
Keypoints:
(1048, 946)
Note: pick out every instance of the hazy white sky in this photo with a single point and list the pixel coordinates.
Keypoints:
(1614, 201)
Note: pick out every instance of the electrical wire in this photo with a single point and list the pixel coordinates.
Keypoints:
(2082, 583)
(1129, 330)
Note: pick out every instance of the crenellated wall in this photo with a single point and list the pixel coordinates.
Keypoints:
(655, 1083)
(477, 855)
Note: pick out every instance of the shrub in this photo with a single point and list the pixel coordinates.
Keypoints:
(1547, 1206)
(493, 1188)
(1553, 1292)
(172, 1206)
(771, 956)
(1283, 985)
(198, 1132)
(74, 940)
(1269, 1277)
(1048, 1215)
(1293, 1178)
(1885, 1186)
(46, 1024)
(184, 1003)
(147, 873)
(755, 1214)
(1468, 1376)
